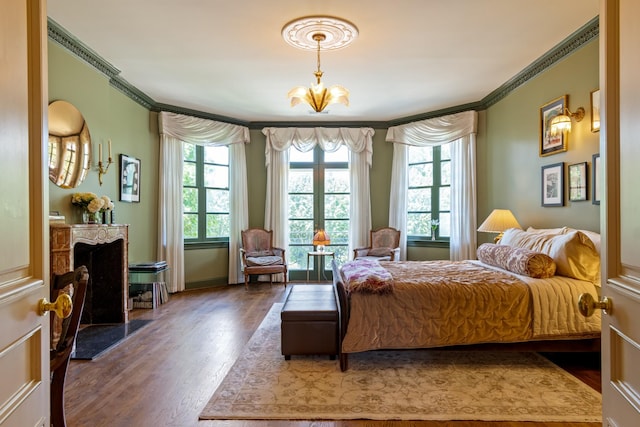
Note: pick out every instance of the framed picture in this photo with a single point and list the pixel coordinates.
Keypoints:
(578, 182)
(595, 110)
(129, 179)
(595, 176)
(553, 185)
(549, 143)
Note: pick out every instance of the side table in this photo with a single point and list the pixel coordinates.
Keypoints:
(318, 254)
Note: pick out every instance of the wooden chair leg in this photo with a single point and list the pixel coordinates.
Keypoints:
(246, 282)
(57, 396)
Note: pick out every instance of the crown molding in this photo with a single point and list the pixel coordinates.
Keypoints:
(575, 41)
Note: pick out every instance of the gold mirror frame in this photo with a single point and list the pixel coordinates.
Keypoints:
(69, 145)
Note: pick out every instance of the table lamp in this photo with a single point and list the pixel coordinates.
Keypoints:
(320, 239)
(498, 221)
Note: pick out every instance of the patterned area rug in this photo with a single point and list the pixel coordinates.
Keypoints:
(398, 385)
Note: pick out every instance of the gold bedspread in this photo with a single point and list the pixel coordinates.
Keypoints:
(442, 303)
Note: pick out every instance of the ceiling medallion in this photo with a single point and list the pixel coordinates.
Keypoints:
(338, 32)
(319, 33)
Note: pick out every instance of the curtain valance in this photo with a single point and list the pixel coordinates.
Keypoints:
(358, 140)
(435, 131)
(195, 130)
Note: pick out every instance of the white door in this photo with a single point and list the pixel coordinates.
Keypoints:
(620, 148)
(24, 335)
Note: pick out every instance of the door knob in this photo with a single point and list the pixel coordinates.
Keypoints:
(62, 306)
(587, 305)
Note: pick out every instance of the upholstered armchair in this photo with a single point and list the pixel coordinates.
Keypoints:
(384, 245)
(259, 256)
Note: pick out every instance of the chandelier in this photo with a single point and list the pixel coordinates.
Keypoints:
(319, 32)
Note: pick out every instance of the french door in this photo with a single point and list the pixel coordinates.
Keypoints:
(319, 193)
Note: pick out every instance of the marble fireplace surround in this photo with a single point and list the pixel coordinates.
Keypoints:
(103, 248)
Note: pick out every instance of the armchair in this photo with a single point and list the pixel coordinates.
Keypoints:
(384, 245)
(259, 256)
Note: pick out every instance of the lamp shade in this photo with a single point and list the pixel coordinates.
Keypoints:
(498, 221)
(321, 238)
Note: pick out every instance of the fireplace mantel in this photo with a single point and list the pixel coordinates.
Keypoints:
(67, 245)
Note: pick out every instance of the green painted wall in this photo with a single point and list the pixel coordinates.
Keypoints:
(509, 165)
(133, 131)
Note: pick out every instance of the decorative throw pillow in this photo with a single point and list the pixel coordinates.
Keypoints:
(517, 260)
(379, 252)
(574, 253)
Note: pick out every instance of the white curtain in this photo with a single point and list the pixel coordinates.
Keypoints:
(360, 144)
(460, 130)
(175, 130)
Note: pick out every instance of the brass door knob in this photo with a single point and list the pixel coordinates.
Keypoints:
(62, 306)
(587, 305)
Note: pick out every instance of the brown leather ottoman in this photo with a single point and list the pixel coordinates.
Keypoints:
(310, 321)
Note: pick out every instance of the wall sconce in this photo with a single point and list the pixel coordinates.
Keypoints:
(498, 221)
(103, 170)
(562, 122)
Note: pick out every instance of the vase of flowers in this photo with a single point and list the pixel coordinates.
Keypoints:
(433, 224)
(92, 206)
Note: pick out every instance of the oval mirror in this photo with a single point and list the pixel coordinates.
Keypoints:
(69, 145)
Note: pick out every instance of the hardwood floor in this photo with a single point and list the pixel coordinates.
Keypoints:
(165, 373)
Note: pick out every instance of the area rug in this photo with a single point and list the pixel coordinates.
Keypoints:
(397, 385)
(95, 340)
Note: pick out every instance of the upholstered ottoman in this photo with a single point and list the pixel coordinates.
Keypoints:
(310, 321)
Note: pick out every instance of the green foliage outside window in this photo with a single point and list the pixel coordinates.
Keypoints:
(205, 181)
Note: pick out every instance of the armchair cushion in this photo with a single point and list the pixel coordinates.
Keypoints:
(383, 251)
(264, 260)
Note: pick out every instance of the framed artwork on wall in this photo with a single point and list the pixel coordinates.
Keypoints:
(595, 176)
(129, 179)
(552, 143)
(553, 185)
(595, 110)
(578, 182)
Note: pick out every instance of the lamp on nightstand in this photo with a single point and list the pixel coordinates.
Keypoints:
(498, 221)
(320, 239)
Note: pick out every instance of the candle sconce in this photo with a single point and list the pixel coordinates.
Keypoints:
(102, 170)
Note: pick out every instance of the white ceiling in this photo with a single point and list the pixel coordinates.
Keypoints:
(227, 57)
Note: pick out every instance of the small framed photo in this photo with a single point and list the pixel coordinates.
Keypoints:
(578, 182)
(550, 143)
(129, 179)
(553, 185)
(595, 177)
(595, 110)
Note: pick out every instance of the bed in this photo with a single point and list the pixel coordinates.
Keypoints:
(520, 294)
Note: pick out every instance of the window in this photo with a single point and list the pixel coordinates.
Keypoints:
(429, 192)
(205, 182)
(319, 198)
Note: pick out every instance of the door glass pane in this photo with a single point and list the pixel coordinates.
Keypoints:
(418, 224)
(336, 181)
(300, 181)
(445, 224)
(297, 257)
(301, 231)
(336, 206)
(301, 206)
(338, 231)
(189, 152)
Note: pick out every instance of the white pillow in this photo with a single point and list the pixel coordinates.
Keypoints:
(574, 253)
